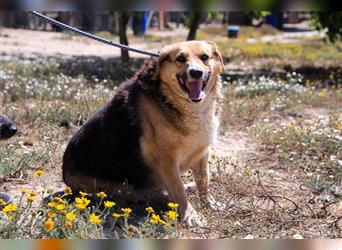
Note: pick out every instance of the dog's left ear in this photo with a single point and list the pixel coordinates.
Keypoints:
(217, 54)
(164, 55)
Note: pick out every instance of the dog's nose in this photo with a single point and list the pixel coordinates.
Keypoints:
(195, 73)
(13, 129)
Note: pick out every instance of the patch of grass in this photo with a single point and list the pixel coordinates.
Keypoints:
(207, 33)
(80, 216)
(314, 147)
(244, 102)
(308, 52)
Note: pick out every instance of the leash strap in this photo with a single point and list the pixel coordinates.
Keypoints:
(91, 36)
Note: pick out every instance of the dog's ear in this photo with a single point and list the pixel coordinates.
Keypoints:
(217, 54)
(164, 55)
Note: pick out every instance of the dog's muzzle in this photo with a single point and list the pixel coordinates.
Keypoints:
(194, 83)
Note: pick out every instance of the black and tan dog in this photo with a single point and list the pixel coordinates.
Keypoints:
(158, 125)
(7, 128)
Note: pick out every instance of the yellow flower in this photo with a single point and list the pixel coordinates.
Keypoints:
(81, 203)
(9, 208)
(173, 205)
(172, 215)
(51, 214)
(24, 191)
(10, 218)
(115, 215)
(101, 195)
(60, 207)
(2, 202)
(49, 225)
(68, 191)
(52, 204)
(68, 224)
(163, 222)
(39, 172)
(109, 204)
(33, 193)
(70, 216)
(155, 219)
(126, 211)
(31, 199)
(63, 212)
(58, 200)
(83, 194)
(80, 206)
(149, 210)
(94, 219)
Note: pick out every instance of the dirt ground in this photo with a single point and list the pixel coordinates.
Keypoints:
(233, 145)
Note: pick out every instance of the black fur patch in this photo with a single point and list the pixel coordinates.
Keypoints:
(107, 147)
(7, 128)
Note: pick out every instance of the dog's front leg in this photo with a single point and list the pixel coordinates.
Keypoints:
(172, 180)
(200, 173)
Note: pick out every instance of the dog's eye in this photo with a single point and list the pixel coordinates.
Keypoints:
(204, 57)
(181, 59)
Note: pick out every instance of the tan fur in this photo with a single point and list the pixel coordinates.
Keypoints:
(173, 148)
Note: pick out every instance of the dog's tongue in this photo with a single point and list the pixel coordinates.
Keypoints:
(195, 90)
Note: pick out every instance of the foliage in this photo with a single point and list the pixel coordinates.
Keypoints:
(332, 20)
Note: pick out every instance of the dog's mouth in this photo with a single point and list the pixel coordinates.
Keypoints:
(195, 88)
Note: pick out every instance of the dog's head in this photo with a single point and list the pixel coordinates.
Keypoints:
(7, 128)
(189, 69)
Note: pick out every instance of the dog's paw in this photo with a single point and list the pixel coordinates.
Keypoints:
(209, 201)
(192, 219)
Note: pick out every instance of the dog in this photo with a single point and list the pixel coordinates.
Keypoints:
(159, 124)
(7, 128)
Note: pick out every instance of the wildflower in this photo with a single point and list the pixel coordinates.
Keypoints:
(81, 203)
(58, 200)
(173, 205)
(81, 206)
(172, 215)
(126, 211)
(101, 195)
(68, 224)
(24, 191)
(68, 191)
(83, 194)
(10, 208)
(33, 193)
(94, 219)
(60, 207)
(70, 216)
(51, 214)
(149, 210)
(39, 172)
(109, 204)
(155, 219)
(115, 215)
(2, 202)
(31, 199)
(10, 218)
(63, 212)
(52, 204)
(49, 225)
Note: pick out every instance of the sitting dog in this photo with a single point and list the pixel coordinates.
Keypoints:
(158, 125)
(7, 128)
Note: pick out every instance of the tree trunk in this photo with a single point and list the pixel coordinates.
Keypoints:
(123, 21)
(194, 21)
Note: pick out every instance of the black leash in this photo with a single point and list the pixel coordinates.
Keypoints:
(91, 36)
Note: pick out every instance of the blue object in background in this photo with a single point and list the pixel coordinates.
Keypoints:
(233, 31)
(139, 24)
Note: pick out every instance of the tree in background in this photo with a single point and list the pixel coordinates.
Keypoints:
(193, 23)
(123, 21)
(330, 20)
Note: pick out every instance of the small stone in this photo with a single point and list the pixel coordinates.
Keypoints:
(249, 237)
(297, 237)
